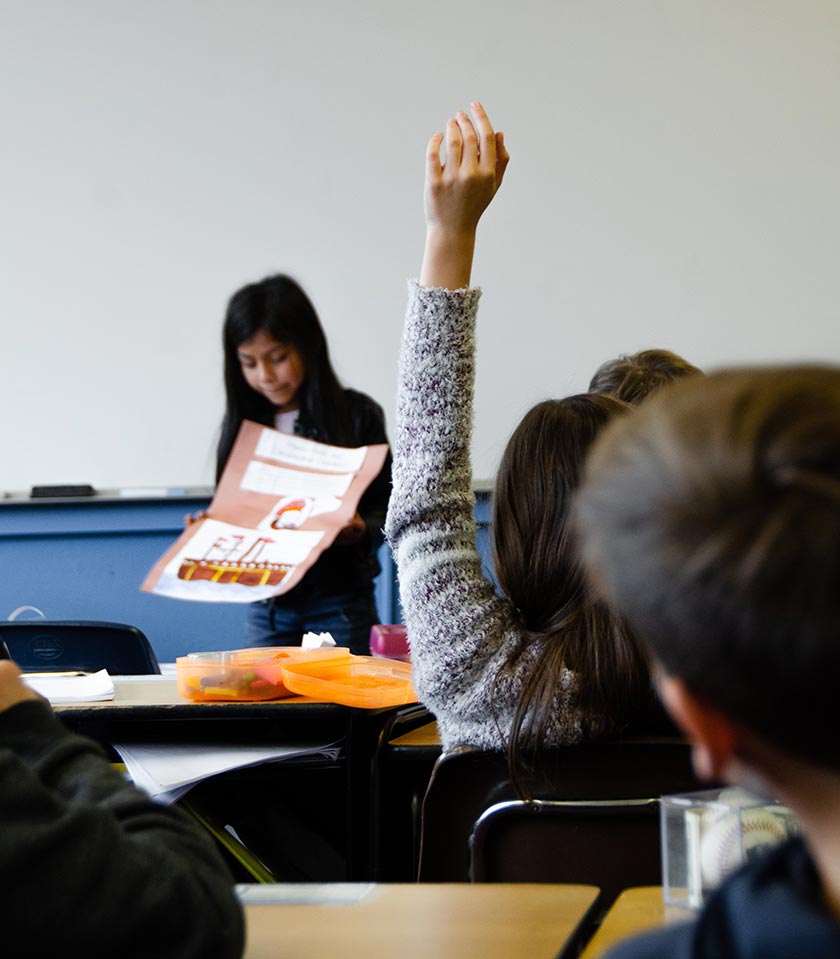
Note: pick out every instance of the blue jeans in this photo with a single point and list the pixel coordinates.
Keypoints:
(348, 617)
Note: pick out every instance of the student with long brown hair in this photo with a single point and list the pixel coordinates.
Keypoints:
(542, 664)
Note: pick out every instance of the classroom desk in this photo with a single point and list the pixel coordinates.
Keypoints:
(149, 709)
(423, 737)
(450, 921)
(634, 911)
(158, 695)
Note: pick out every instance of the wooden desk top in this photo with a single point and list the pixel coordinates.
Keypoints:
(422, 736)
(424, 921)
(634, 911)
(151, 710)
(133, 691)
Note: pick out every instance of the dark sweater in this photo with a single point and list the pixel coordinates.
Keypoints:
(347, 567)
(88, 861)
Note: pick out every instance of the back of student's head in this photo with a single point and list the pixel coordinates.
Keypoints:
(537, 567)
(634, 377)
(540, 468)
(711, 517)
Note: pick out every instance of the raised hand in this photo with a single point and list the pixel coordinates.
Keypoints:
(457, 192)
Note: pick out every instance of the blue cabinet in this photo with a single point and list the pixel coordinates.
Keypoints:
(85, 558)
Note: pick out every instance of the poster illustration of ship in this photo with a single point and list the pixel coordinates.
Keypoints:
(281, 501)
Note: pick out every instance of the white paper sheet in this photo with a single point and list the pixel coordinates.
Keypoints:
(168, 771)
(71, 687)
(296, 451)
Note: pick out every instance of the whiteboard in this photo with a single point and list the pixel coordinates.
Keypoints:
(673, 183)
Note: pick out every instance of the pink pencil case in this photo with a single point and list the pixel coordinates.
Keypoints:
(390, 641)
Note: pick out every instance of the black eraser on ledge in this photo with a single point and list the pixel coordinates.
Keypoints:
(59, 492)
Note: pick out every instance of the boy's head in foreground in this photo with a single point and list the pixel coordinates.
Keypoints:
(711, 517)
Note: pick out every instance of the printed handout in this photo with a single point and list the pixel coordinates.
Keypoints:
(281, 501)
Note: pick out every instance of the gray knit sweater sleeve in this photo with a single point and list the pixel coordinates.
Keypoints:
(459, 629)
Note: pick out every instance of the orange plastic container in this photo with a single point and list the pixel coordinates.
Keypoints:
(245, 675)
(367, 681)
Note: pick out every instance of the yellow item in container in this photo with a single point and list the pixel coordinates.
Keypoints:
(370, 682)
(245, 675)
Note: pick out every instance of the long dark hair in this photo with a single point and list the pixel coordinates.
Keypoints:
(536, 560)
(279, 306)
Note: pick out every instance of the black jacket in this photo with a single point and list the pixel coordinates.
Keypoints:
(345, 568)
(88, 860)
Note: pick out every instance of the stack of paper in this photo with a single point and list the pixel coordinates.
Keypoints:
(168, 771)
(74, 687)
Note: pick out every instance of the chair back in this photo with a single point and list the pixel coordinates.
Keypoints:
(613, 844)
(466, 781)
(43, 645)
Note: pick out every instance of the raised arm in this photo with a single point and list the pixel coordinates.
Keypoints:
(459, 629)
(458, 190)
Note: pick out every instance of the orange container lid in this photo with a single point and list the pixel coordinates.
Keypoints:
(370, 682)
(245, 675)
(269, 661)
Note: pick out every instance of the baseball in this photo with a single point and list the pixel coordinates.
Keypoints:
(728, 840)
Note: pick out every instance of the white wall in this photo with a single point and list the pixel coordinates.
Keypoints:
(674, 183)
